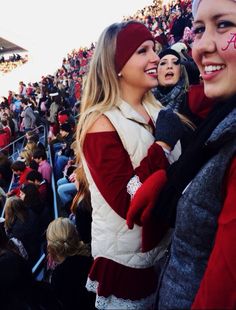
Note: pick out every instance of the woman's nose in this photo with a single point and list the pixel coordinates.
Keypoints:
(206, 44)
(154, 57)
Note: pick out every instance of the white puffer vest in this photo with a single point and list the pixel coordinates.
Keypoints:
(111, 237)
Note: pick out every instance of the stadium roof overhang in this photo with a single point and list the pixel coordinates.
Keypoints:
(9, 47)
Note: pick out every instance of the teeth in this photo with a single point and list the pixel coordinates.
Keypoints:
(151, 71)
(209, 69)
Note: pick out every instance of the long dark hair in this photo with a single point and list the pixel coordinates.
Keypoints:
(32, 197)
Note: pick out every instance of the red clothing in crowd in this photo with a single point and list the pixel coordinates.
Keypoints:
(46, 170)
(22, 180)
(10, 99)
(8, 133)
(77, 91)
(3, 139)
(218, 286)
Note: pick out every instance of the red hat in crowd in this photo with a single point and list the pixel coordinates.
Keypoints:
(62, 118)
(128, 40)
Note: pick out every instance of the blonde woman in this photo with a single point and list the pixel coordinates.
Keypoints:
(121, 144)
(26, 156)
(73, 261)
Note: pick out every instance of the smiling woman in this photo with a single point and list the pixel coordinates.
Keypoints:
(118, 118)
(200, 273)
(218, 67)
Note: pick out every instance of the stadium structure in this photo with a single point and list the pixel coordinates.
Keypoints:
(7, 47)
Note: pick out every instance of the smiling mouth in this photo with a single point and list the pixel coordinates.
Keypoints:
(213, 68)
(151, 71)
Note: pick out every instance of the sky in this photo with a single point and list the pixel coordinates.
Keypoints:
(49, 29)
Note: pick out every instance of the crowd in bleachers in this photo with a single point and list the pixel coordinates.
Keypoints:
(54, 102)
(12, 62)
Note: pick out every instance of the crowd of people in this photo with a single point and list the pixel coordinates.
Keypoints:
(12, 62)
(141, 132)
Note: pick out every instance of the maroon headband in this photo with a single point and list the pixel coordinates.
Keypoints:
(128, 40)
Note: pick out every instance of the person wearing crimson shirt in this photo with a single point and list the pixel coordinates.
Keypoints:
(124, 136)
(4, 139)
(21, 171)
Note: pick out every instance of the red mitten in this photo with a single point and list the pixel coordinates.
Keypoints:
(144, 199)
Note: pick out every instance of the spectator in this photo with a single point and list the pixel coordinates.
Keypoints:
(4, 139)
(28, 117)
(26, 157)
(16, 277)
(173, 91)
(18, 289)
(177, 29)
(22, 223)
(73, 261)
(65, 116)
(116, 123)
(45, 191)
(200, 271)
(22, 88)
(66, 187)
(32, 136)
(65, 152)
(21, 170)
(5, 171)
(43, 165)
(30, 195)
(16, 107)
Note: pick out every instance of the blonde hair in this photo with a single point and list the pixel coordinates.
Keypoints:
(101, 89)
(63, 239)
(31, 146)
(184, 76)
(26, 155)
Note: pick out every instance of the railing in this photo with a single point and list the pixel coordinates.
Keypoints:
(16, 150)
(37, 268)
(14, 144)
(40, 263)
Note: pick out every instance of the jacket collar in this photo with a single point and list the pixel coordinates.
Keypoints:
(129, 113)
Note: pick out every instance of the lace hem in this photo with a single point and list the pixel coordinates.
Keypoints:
(133, 185)
(112, 302)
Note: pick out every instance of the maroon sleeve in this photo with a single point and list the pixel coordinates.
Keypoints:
(218, 286)
(198, 102)
(111, 167)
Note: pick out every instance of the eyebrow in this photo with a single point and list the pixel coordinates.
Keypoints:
(170, 58)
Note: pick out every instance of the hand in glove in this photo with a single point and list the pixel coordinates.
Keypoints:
(169, 128)
(144, 199)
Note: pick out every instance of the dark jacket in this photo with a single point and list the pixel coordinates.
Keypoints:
(198, 210)
(66, 150)
(69, 279)
(29, 233)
